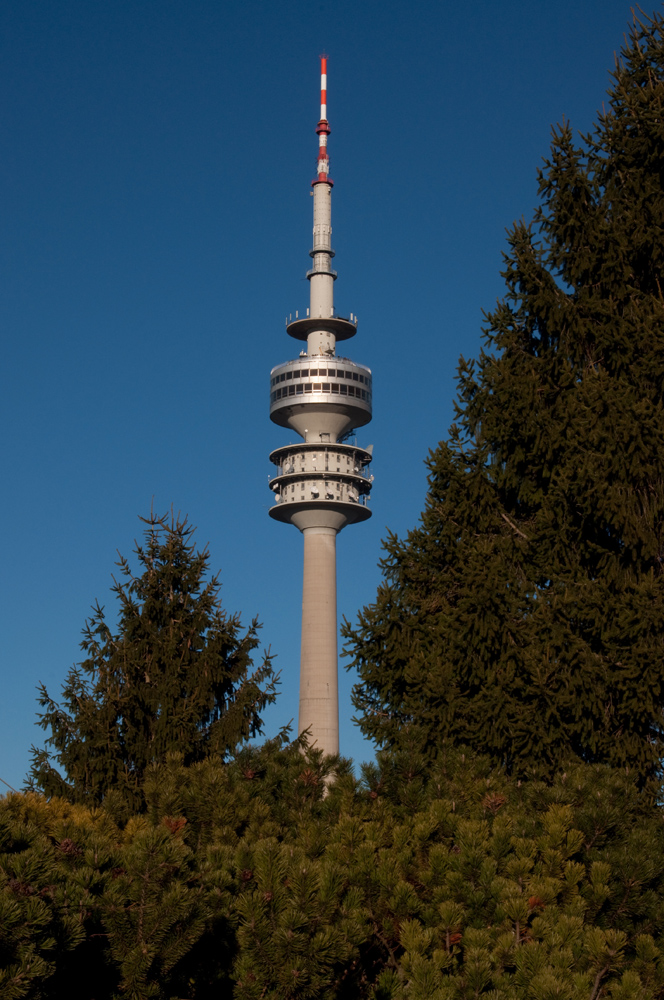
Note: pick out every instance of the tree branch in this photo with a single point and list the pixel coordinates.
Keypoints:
(512, 525)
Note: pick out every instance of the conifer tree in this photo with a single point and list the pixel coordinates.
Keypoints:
(174, 676)
(439, 882)
(525, 615)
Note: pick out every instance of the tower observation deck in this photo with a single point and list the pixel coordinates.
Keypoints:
(322, 483)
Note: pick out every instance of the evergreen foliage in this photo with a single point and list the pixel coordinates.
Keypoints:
(434, 882)
(174, 676)
(525, 615)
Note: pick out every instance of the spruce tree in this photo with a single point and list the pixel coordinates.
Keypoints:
(174, 676)
(525, 616)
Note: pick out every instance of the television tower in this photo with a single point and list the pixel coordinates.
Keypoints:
(323, 483)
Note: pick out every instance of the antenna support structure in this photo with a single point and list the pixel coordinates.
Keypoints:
(323, 482)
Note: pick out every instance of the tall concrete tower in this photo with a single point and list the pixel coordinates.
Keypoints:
(322, 483)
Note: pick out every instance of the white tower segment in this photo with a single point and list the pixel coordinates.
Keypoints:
(322, 484)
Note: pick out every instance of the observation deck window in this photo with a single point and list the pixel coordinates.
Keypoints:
(338, 388)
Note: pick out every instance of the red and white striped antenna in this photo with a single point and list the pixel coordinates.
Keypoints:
(323, 88)
(323, 128)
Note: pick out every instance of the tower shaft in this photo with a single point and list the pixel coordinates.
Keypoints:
(321, 277)
(319, 708)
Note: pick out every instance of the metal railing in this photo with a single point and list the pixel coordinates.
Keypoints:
(334, 313)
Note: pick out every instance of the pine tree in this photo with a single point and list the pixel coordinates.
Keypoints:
(175, 676)
(439, 882)
(525, 615)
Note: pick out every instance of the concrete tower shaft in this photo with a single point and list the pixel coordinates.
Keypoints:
(323, 483)
(319, 686)
(322, 340)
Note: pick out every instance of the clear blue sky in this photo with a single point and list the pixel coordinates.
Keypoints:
(156, 222)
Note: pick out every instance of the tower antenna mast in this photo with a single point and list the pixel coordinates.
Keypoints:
(323, 483)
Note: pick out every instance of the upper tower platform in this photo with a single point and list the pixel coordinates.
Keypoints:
(342, 329)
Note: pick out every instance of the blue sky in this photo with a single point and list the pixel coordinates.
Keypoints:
(156, 223)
